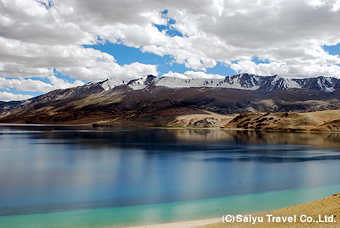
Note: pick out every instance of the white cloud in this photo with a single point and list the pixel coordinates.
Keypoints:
(25, 85)
(283, 69)
(194, 74)
(5, 96)
(31, 22)
(59, 83)
(21, 59)
(97, 71)
(37, 85)
(36, 39)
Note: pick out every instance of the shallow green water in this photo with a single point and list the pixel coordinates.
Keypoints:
(162, 213)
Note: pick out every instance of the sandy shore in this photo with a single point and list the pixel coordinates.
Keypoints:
(316, 210)
(182, 224)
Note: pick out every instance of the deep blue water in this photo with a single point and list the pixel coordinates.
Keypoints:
(57, 169)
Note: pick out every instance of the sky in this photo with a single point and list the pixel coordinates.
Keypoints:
(56, 44)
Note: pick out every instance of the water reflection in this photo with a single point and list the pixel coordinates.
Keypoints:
(258, 137)
(56, 168)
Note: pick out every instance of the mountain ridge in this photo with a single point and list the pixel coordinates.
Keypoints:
(153, 101)
(239, 81)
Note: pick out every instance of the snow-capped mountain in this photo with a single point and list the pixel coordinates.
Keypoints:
(240, 81)
(155, 101)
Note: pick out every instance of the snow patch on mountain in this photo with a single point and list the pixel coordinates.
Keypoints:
(284, 83)
(174, 82)
(111, 83)
(138, 84)
(240, 81)
(325, 84)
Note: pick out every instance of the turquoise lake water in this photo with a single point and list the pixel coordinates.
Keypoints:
(72, 176)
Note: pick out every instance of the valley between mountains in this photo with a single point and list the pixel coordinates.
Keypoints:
(243, 101)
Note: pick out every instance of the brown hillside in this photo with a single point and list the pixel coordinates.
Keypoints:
(288, 121)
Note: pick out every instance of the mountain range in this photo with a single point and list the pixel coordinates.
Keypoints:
(240, 81)
(154, 101)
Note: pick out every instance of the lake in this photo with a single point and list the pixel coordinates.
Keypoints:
(77, 176)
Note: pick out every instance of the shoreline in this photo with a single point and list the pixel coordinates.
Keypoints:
(167, 128)
(164, 128)
(181, 224)
(320, 211)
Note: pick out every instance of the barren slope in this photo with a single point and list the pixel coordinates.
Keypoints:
(288, 121)
(209, 119)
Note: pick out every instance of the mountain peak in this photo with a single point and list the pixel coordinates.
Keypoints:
(111, 83)
(242, 81)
